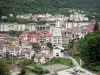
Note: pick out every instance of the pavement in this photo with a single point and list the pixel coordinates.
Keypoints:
(55, 67)
(71, 71)
(77, 66)
(67, 71)
(15, 73)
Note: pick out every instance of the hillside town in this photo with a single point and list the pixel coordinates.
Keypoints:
(58, 32)
(50, 37)
(34, 39)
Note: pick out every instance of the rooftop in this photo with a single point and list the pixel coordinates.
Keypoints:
(57, 32)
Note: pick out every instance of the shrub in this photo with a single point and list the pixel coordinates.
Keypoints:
(39, 70)
(26, 62)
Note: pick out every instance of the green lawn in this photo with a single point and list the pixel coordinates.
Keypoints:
(32, 65)
(63, 61)
(77, 57)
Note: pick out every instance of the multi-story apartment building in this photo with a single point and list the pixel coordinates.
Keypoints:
(56, 37)
(30, 26)
(12, 26)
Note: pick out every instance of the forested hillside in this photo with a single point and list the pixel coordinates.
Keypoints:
(50, 6)
(53, 6)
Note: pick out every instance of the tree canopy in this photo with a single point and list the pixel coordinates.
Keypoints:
(23, 72)
(49, 45)
(90, 47)
(5, 7)
(36, 47)
(48, 6)
(51, 6)
(96, 27)
(4, 68)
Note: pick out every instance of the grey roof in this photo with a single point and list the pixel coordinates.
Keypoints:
(57, 32)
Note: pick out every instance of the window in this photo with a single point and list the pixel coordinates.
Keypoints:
(54, 38)
(59, 40)
(57, 54)
(47, 41)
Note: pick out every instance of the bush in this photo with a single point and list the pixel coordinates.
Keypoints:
(39, 70)
(46, 71)
(93, 67)
(4, 68)
(23, 72)
(26, 62)
(97, 68)
(63, 61)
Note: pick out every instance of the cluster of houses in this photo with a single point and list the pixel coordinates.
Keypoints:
(56, 33)
(35, 27)
(76, 16)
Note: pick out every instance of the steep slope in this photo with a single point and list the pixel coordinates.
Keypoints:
(53, 6)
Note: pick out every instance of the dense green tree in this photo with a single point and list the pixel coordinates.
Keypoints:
(26, 62)
(4, 68)
(23, 72)
(49, 6)
(96, 27)
(71, 50)
(70, 44)
(14, 33)
(49, 45)
(7, 56)
(55, 73)
(36, 47)
(89, 47)
(5, 6)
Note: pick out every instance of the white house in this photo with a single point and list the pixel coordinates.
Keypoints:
(2, 50)
(28, 54)
(4, 27)
(24, 16)
(58, 51)
(13, 52)
(39, 58)
(45, 50)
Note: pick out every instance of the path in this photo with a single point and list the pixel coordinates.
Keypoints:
(15, 73)
(73, 60)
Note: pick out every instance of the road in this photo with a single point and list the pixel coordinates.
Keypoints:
(15, 73)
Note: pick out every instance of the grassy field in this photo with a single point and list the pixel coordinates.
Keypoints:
(63, 61)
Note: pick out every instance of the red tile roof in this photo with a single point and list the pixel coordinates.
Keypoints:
(34, 36)
(48, 35)
(25, 34)
(4, 35)
(29, 35)
(39, 56)
(12, 66)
